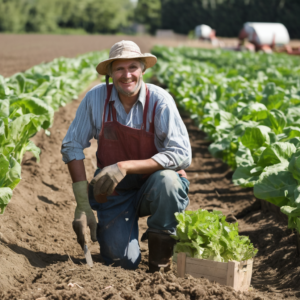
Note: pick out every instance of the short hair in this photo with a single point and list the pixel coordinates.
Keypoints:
(140, 60)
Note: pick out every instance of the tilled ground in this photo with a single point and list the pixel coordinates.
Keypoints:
(68, 281)
(19, 52)
(39, 256)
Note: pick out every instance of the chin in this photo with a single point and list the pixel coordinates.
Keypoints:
(129, 89)
(129, 92)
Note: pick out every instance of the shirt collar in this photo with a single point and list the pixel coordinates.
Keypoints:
(141, 97)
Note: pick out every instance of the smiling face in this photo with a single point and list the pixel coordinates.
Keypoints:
(127, 76)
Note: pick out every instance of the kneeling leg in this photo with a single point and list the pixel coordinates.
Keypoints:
(164, 194)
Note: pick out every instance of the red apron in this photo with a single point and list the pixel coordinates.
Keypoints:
(118, 142)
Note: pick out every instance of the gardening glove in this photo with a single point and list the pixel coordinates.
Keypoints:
(84, 215)
(107, 180)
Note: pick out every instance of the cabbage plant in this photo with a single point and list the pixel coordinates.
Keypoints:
(27, 104)
(249, 106)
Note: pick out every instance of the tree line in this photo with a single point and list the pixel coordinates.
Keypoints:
(44, 16)
(110, 16)
(225, 16)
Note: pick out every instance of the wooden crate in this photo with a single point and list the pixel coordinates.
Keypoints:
(234, 274)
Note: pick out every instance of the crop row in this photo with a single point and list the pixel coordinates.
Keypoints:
(249, 106)
(27, 104)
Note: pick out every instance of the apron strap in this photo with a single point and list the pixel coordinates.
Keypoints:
(146, 108)
(114, 112)
(108, 89)
(151, 129)
(110, 105)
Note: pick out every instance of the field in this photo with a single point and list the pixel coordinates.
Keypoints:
(39, 255)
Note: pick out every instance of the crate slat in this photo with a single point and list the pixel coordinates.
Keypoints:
(232, 274)
(181, 262)
(246, 275)
(207, 263)
(210, 278)
(200, 269)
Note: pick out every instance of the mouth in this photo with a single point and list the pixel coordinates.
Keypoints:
(127, 82)
(128, 86)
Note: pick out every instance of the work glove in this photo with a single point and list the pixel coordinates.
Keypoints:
(107, 180)
(84, 215)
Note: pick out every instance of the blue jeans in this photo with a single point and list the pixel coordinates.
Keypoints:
(159, 196)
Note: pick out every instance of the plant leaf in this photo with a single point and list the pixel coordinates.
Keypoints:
(5, 196)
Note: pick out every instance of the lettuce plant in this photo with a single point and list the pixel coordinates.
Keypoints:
(206, 235)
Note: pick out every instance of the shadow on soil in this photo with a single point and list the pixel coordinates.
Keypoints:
(41, 259)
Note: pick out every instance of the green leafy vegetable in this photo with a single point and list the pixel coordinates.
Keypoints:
(207, 235)
(27, 104)
(249, 106)
(5, 196)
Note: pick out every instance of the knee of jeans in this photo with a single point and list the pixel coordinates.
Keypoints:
(128, 264)
(167, 181)
(123, 262)
(132, 254)
(166, 178)
(128, 259)
(169, 189)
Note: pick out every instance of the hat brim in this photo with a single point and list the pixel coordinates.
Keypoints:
(150, 61)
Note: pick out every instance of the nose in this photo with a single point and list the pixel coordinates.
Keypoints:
(127, 73)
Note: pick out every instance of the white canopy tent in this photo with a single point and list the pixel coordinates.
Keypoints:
(266, 33)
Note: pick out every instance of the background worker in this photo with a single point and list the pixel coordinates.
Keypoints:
(143, 147)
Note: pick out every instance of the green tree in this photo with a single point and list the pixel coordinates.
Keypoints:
(149, 13)
(13, 15)
(42, 16)
(70, 13)
(103, 16)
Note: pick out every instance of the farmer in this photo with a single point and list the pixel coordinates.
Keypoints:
(143, 147)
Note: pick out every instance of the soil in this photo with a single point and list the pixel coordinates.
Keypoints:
(19, 52)
(39, 255)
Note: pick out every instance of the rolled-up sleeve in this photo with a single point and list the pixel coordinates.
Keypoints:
(80, 132)
(171, 138)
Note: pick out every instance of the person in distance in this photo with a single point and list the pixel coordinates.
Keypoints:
(143, 149)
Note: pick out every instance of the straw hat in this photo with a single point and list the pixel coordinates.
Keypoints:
(126, 50)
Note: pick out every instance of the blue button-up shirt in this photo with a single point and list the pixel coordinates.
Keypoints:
(171, 137)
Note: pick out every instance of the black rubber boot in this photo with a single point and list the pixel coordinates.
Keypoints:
(160, 251)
